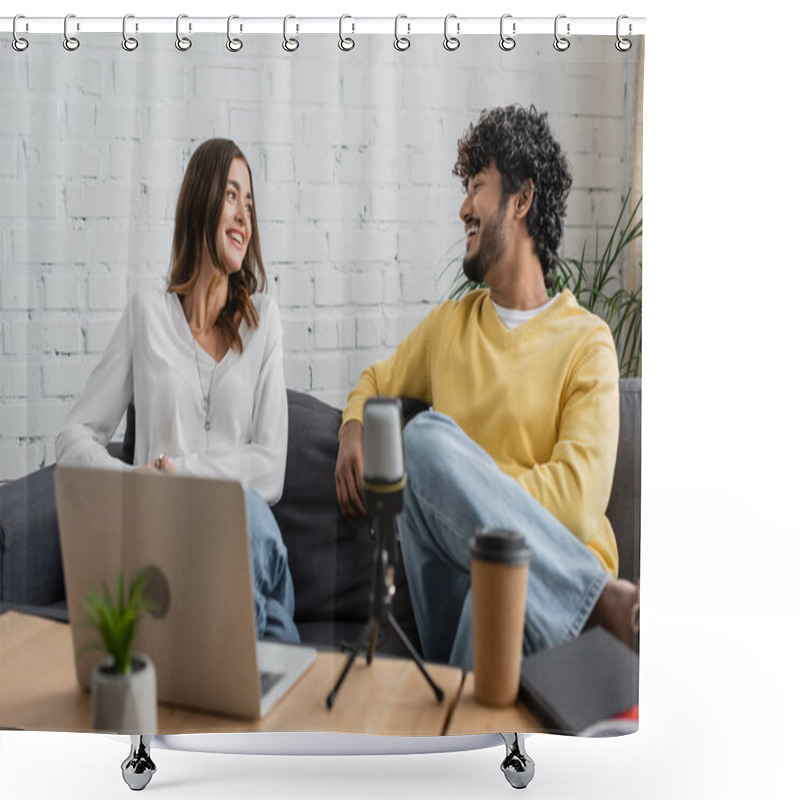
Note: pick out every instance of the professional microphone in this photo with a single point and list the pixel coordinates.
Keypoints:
(384, 463)
(384, 481)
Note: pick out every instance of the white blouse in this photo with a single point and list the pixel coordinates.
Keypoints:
(153, 360)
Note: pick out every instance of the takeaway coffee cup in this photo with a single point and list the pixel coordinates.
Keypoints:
(500, 561)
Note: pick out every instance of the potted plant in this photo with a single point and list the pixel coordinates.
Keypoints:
(124, 697)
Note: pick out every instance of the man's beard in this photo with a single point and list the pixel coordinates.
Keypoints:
(492, 244)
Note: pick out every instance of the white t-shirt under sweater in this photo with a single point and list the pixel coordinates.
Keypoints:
(153, 360)
(512, 318)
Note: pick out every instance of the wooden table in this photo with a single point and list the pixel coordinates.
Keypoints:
(470, 716)
(39, 691)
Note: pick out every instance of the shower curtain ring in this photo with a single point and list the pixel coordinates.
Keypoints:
(561, 43)
(290, 44)
(346, 43)
(623, 45)
(183, 43)
(19, 44)
(70, 42)
(234, 45)
(129, 43)
(401, 42)
(507, 42)
(451, 42)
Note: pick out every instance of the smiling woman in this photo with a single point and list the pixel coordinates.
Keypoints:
(214, 270)
(204, 362)
(233, 232)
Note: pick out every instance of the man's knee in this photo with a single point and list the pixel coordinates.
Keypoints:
(426, 434)
(432, 451)
(414, 434)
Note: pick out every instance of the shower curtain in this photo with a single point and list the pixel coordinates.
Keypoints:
(352, 156)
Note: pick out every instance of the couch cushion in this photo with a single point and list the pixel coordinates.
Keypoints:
(30, 550)
(624, 507)
(330, 558)
(129, 442)
(30, 553)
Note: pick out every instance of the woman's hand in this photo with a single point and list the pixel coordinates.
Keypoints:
(350, 470)
(159, 464)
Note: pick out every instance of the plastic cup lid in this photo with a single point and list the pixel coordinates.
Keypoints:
(499, 546)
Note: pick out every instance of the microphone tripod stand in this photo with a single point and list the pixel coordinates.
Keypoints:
(383, 590)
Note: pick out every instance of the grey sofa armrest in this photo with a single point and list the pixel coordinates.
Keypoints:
(624, 507)
(30, 552)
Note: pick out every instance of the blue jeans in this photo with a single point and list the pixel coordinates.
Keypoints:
(273, 590)
(455, 487)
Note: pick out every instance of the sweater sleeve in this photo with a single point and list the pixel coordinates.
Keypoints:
(575, 484)
(261, 463)
(93, 419)
(405, 373)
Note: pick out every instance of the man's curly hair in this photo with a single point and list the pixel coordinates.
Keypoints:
(522, 146)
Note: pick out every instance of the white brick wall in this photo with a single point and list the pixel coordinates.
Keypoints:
(351, 155)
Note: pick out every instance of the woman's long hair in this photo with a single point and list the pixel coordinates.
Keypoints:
(197, 217)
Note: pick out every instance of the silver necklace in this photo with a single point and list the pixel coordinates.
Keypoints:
(205, 395)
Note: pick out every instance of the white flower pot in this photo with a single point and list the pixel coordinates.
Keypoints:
(125, 703)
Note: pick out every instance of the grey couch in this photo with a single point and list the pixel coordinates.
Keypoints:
(330, 557)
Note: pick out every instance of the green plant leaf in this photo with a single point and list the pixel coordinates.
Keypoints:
(120, 594)
(117, 623)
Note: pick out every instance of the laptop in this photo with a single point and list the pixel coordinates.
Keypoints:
(190, 534)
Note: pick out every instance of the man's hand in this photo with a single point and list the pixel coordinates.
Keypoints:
(350, 470)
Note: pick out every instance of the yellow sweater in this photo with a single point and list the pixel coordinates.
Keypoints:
(542, 400)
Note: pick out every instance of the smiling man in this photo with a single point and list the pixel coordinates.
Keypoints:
(525, 410)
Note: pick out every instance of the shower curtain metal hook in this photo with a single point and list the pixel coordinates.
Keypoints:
(183, 43)
(561, 43)
(401, 42)
(234, 45)
(507, 42)
(19, 44)
(451, 42)
(290, 44)
(70, 42)
(129, 43)
(346, 43)
(622, 44)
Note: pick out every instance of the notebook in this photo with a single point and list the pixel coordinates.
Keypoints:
(578, 683)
